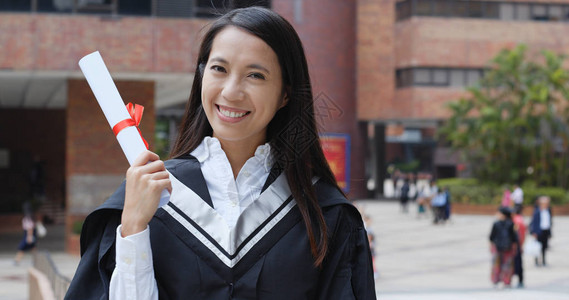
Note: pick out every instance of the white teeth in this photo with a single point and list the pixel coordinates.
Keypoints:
(231, 114)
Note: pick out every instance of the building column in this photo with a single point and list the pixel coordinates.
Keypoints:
(378, 149)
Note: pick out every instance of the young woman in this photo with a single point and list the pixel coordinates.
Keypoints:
(255, 212)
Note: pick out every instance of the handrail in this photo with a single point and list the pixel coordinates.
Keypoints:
(59, 283)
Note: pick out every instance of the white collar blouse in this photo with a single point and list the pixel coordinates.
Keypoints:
(229, 195)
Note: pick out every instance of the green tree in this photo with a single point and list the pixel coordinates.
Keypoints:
(513, 125)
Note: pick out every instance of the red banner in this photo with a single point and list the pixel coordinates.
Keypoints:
(336, 149)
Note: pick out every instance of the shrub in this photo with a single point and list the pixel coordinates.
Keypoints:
(469, 190)
(76, 227)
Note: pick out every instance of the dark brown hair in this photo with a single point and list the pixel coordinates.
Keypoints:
(292, 132)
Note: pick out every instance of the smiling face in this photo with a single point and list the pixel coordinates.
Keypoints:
(242, 87)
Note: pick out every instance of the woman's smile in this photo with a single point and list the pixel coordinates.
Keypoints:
(232, 115)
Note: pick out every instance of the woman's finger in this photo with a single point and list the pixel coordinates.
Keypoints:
(145, 157)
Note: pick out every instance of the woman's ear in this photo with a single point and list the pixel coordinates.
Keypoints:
(285, 100)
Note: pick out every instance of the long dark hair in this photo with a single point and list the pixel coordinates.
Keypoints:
(292, 132)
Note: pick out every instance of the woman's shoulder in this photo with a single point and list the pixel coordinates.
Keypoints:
(337, 209)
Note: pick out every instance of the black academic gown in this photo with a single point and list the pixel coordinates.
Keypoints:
(273, 261)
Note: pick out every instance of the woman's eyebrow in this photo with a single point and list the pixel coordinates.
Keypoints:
(257, 66)
(251, 66)
(219, 59)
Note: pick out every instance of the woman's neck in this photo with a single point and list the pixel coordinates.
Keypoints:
(238, 152)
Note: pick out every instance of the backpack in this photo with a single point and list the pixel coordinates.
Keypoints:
(503, 238)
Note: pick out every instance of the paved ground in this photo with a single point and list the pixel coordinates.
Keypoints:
(415, 259)
(419, 260)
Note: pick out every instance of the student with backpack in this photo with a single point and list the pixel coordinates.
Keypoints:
(503, 245)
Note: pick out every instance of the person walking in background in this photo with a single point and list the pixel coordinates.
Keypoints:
(425, 197)
(503, 246)
(520, 227)
(404, 196)
(28, 241)
(517, 196)
(540, 226)
(438, 204)
(507, 197)
(447, 204)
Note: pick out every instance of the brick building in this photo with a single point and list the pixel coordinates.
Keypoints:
(381, 72)
(47, 110)
(413, 56)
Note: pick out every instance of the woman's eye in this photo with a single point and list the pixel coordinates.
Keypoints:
(217, 68)
(257, 76)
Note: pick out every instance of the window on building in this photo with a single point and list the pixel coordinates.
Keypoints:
(473, 76)
(460, 9)
(403, 10)
(475, 9)
(523, 12)
(457, 78)
(423, 7)
(422, 77)
(135, 7)
(438, 77)
(15, 5)
(160, 8)
(442, 8)
(491, 10)
(507, 11)
(556, 13)
(539, 12)
(502, 10)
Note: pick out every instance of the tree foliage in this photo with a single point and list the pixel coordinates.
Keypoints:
(513, 126)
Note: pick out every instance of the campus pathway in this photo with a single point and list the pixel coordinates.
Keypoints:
(415, 260)
(418, 260)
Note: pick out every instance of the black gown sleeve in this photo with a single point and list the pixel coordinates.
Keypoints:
(93, 275)
(347, 271)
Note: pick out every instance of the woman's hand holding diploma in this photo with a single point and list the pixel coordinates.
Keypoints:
(145, 180)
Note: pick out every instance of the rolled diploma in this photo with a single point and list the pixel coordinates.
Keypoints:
(113, 107)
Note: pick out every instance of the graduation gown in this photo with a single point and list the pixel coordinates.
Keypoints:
(265, 256)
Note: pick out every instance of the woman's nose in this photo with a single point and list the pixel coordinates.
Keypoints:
(232, 90)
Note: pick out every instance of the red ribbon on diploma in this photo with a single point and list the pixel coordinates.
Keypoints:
(135, 111)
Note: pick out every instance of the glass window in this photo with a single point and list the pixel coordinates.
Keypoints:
(523, 12)
(403, 78)
(15, 5)
(507, 11)
(556, 12)
(403, 10)
(457, 78)
(472, 77)
(135, 7)
(440, 77)
(475, 9)
(491, 10)
(55, 5)
(539, 12)
(442, 8)
(422, 76)
(423, 8)
(460, 9)
(247, 3)
(174, 8)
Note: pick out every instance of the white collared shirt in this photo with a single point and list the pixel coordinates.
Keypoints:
(231, 196)
(133, 277)
(544, 219)
(517, 196)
